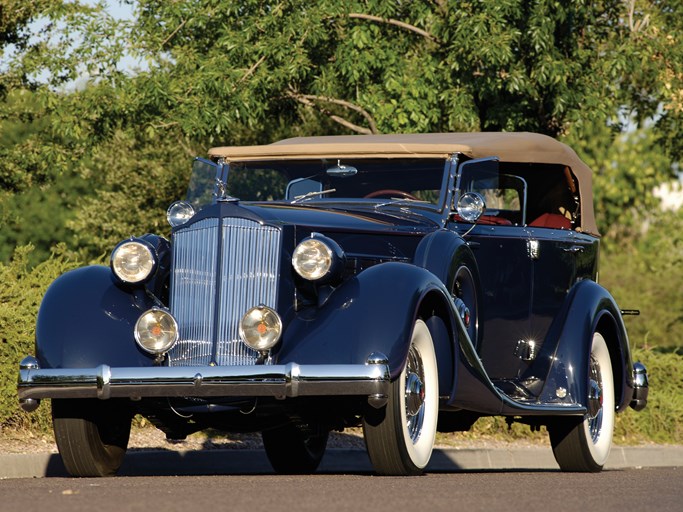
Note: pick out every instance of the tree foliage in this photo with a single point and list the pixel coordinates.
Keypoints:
(646, 274)
(395, 66)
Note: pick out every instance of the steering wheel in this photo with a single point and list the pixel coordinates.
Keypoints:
(389, 192)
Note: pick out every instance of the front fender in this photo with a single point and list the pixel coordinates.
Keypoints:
(588, 308)
(85, 320)
(432, 248)
(371, 312)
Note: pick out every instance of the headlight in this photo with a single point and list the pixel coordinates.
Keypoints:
(179, 213)
(260, 328)
(156, 331)
(133, 261)
(318, 257)
(312, 259)
(471, 206)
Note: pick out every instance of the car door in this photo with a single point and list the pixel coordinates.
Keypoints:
(499, 242)
(506, 272)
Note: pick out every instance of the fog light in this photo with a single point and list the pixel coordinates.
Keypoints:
(156, 331)
(260, 328)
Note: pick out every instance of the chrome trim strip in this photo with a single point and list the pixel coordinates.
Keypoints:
(280, 381)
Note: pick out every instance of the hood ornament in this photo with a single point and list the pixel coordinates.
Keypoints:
(220, 191)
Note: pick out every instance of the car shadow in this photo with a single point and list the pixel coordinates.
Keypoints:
(336, 461)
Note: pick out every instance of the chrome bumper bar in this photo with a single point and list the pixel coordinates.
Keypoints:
(279, 381)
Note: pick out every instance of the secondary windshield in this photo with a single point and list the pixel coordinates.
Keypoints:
(379, 182)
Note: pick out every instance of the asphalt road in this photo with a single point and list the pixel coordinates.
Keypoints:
(658, 489)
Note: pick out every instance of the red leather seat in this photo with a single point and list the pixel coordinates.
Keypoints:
(552, 220)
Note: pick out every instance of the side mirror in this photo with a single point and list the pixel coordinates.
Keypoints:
(471, 206)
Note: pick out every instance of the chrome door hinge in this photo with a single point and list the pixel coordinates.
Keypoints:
(533, 248)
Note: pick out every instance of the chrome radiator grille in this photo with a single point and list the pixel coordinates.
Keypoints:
(212, 287)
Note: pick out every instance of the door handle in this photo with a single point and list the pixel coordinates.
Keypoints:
(574, 249)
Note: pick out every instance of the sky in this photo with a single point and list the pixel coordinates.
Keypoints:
(116, 8)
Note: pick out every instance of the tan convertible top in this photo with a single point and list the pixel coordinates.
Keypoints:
(518, 147)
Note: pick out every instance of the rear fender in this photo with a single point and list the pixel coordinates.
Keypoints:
(85, 320)
(588, 308)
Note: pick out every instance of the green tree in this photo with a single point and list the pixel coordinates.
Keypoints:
(646, 274)
(626, 168)
(135, 184)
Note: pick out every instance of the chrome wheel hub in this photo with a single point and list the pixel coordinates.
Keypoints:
(595, 398)
(414, 394)
(463, 311)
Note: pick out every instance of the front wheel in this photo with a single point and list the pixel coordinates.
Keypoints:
(400, 436)
(584, 445)
(91, 435)
(293, 449)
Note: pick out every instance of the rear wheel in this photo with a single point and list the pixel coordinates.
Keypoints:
(91, 435)
(293, 449)
(400, 436)
(584, 445)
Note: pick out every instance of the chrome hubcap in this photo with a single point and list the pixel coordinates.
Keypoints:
(465, 298)
(595, 398)
(414, 394)
(463, 311)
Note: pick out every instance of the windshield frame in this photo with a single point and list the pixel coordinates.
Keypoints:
(207, 174)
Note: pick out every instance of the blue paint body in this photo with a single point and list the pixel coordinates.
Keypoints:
(399, 264)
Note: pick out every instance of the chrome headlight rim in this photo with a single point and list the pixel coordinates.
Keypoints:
(179, 213)
(318, 258)
(146, 250)
(250, 332)
(471, 206)
(159, 313)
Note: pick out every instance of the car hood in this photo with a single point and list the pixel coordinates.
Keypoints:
(347, 218)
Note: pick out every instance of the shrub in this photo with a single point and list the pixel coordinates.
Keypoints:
(20, 294)
(662, 420)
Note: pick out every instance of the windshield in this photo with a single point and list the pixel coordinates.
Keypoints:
(378, 182)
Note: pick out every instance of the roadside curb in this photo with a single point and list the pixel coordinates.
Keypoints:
(213, 462)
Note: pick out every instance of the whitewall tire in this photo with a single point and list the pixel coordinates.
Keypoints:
(400, 436)
(585, 445)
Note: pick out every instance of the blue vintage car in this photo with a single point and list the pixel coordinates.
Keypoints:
(405, 283)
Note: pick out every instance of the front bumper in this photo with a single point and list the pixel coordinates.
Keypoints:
(280, 381)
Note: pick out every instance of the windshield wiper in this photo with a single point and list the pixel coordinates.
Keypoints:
(404, 200)
(308, 195)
